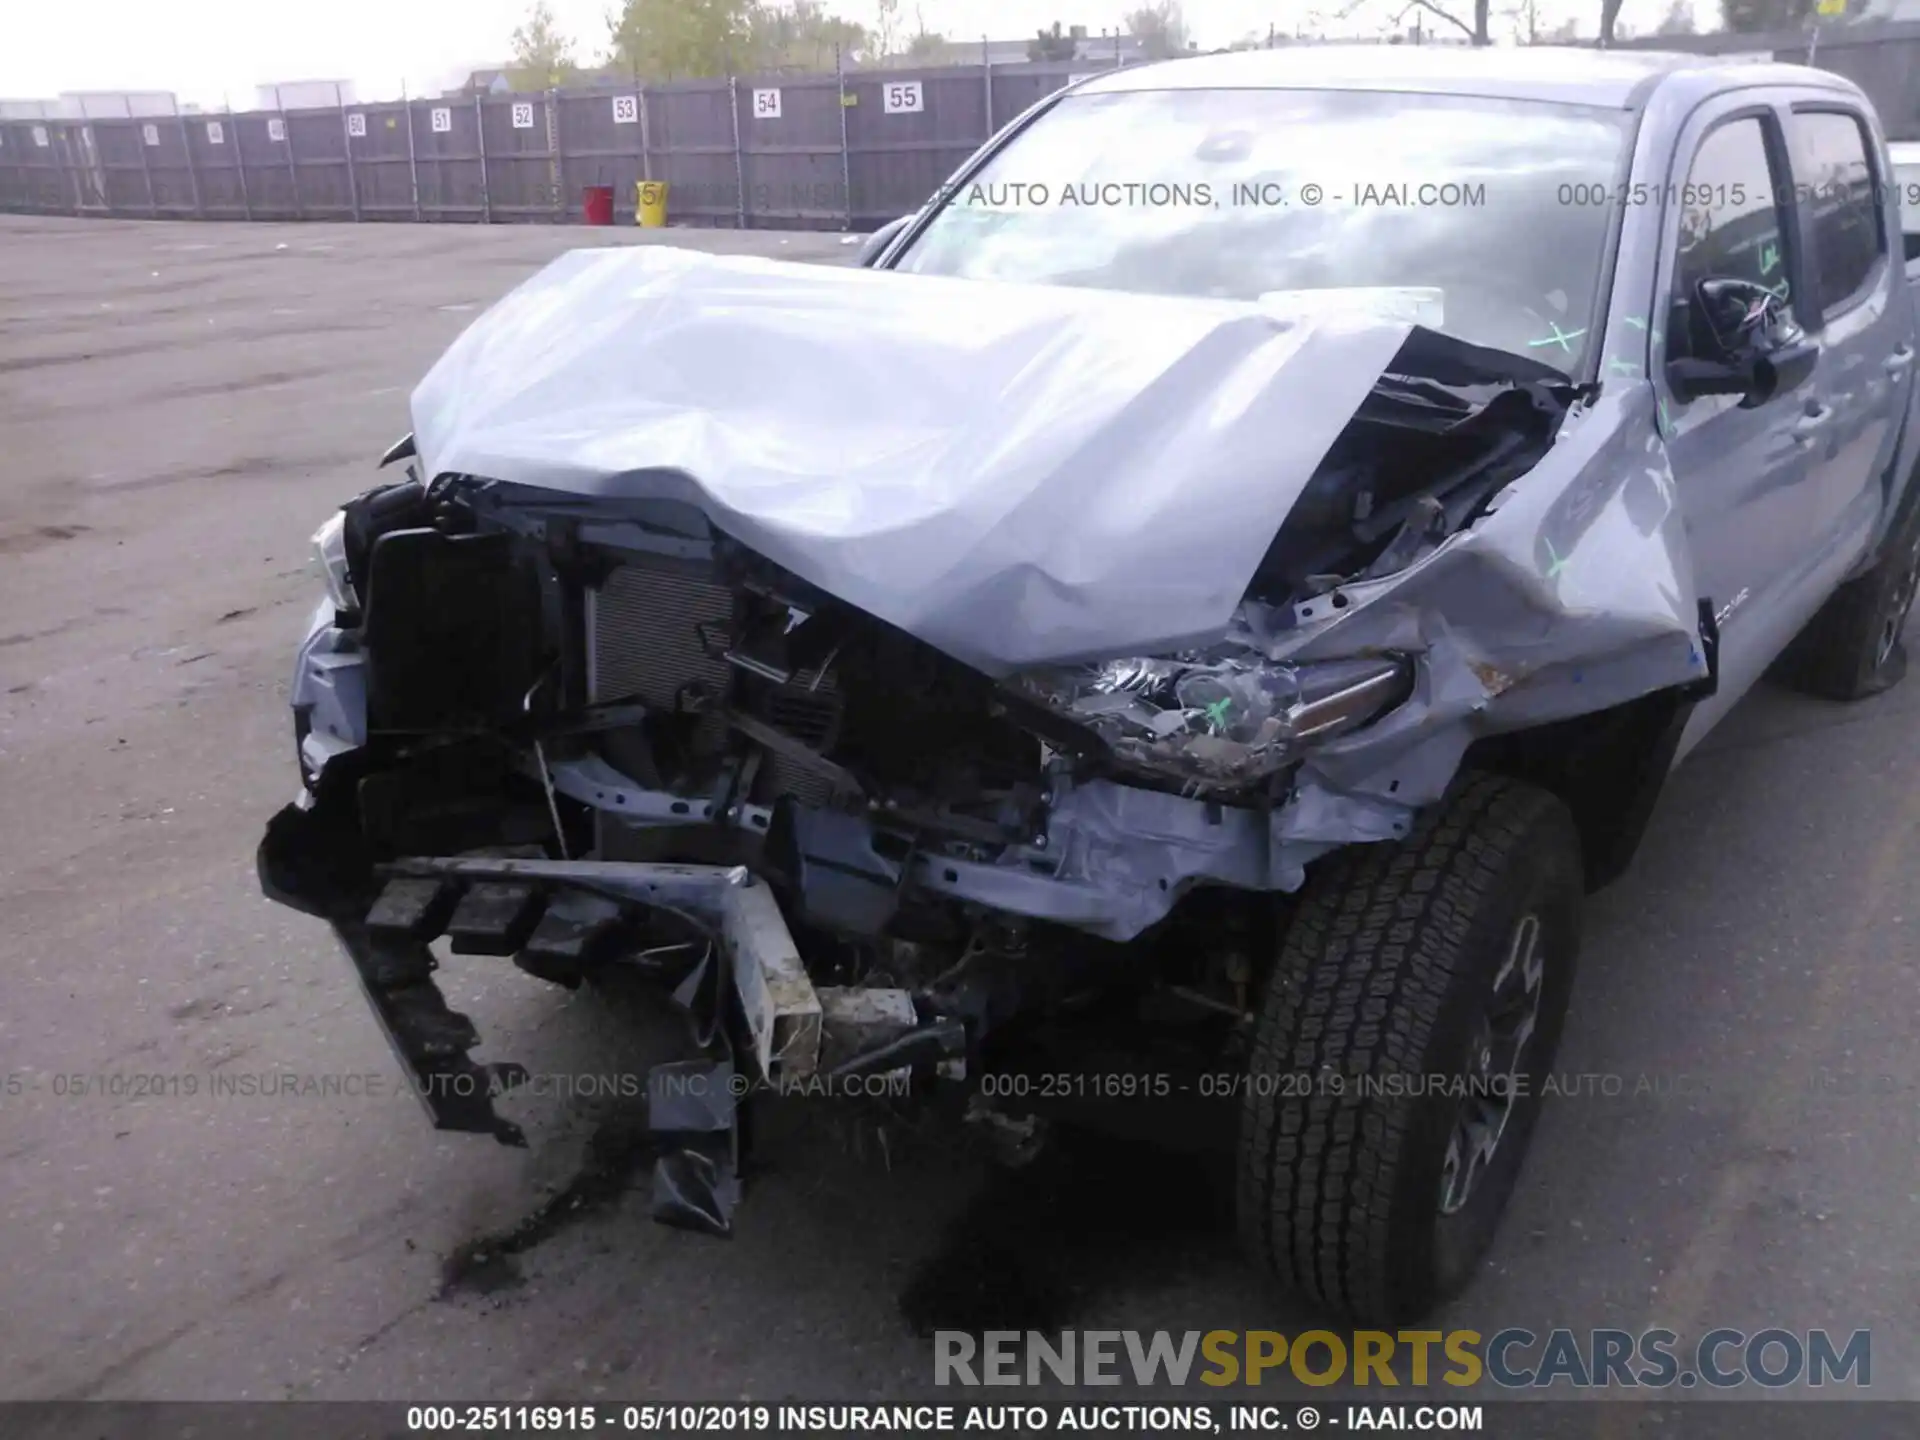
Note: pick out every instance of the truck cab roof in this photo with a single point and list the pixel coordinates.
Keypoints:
(1566, 75)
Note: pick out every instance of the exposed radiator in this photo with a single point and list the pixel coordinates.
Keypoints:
(645, 625)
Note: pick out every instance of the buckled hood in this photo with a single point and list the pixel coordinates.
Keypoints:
(1016, 474)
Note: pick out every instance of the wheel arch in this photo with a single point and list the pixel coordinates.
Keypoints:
(1608, 768)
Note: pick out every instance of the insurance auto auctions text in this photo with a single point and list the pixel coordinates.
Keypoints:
(1204, 195)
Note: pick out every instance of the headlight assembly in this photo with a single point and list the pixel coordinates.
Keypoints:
(330, 559)
(1217, 720)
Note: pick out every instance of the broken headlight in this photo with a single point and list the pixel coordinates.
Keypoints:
(330, 559)
(1218, 720)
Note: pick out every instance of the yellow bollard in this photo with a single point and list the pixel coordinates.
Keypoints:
(650, 204)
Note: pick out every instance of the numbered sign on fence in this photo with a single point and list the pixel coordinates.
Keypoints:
(766, 104)
(442, 120)
(626, 109)
(40, 136)
(522, 115)
(277, 130)
(902, 97)
(216, 134)
(150, 134)
(357, 125)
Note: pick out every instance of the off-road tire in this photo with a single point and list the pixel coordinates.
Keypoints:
(1853, 647)
(1385, 958)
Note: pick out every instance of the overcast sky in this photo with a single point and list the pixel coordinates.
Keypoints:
(210, 51)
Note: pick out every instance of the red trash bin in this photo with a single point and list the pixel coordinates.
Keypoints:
(596, 204)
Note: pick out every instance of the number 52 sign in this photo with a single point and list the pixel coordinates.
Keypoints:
(902, 97)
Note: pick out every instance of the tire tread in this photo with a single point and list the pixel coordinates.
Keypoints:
(1366, 960)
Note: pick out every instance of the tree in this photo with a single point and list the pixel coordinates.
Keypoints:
(928, 47)
(886, 29)
(802, 36)
(1161, 28)
(1053, 45)
(1609, 21)
(1478, 31)
(1525, 20)
(1677, 21)
(1761, 15)
(542, 55)
(676, 39)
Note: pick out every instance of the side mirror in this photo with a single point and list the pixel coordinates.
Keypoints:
(878, 241)
(1744, 343)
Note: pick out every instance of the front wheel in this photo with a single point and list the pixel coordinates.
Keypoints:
(1402, 1048)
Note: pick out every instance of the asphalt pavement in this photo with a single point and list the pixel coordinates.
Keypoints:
(213, 1185)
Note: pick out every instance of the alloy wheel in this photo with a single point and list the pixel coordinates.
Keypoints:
(1495, 1064)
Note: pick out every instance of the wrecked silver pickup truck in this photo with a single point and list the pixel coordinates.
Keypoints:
(1253, 599)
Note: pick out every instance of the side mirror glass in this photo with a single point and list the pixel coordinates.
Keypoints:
(1744, 343)
(878, 241)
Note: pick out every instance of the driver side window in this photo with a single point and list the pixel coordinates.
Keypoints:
(1730, 225)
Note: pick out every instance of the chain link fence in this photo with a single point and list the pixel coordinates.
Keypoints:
(844, 151)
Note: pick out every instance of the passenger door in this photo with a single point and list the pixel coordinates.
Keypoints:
(1866, 350)
(1743, 475)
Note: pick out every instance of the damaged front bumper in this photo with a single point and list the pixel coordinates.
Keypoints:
(726, 956)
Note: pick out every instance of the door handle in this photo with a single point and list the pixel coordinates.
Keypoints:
(1813, 422)
(1900, 360)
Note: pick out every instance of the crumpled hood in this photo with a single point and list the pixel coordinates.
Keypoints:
(1016, 474)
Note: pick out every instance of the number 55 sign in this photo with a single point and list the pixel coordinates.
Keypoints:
(902, 97)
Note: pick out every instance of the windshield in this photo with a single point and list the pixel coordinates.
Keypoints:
(1486, 219)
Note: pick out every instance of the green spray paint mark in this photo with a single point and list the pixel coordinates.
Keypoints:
(1769, 258)
(1666, 425)
(1636, 322)
(1218, 711)
(1623, 367)
(1563, 338)
(1559, 563)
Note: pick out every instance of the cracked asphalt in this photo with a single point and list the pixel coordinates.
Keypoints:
(213, 1186)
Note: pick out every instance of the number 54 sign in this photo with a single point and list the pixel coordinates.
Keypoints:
(902, 97)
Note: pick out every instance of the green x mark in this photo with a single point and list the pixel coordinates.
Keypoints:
(1218, 711)
(1563, 338)
(1769, 258)
(1623, 367)
(1559, 563)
